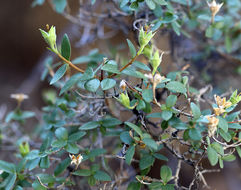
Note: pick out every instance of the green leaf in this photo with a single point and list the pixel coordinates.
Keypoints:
(223, 124)
(31, 164)
(171, 101)
(160, 157)
(62, 166)
(72, 148)
(220, 162)
(161, 2)
(238, 149)
(135, 128)
(154, 115)
(164, 125)
(65, 47)
(147, 95)
(155, 186)
(10, 181)
(195, 134)
(60, 5)
(130, 71)
(59, 73)
(166, 115)
(107, 83)
(123, 3)
(96, 152)
(88, 74)
(226, 136)
(146, 161)
(176, 27)
(129, 154)
(110, 122)
(125, 137)
(37, 2)
(59, 143)
(91, 180)
(219, 148)
(44, 162)
(150, 4)
(141, 65)
(46, 178)
(141, 105)
(228, 43)
(167, 187)
(229, 158)
(212, 156)
(92, 85)
(82, 172)
(195, 111)
(76, 136)
(110, 68)
(166, 174)
(234, 126)
(150, 143)
(90, 125)
(102, 176)
(7, 167)
(132, 48)
(72, 81)
(134, 186)
(209, 32)
(61, 133)
(175, 86)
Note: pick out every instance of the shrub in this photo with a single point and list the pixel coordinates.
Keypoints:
(81, 133)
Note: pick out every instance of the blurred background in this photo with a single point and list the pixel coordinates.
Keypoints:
(23, 51)
(22, 47)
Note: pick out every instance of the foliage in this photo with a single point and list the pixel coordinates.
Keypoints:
(79, 122)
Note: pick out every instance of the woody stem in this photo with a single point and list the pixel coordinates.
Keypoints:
(70, 63)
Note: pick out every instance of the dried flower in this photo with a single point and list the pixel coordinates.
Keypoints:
(212, 125)
(158, 78)
(221, 102)
(76, 160)
(19, 97)
(222, 105)
(123, 85)
(218, 111)
(149, 77)
(214, 7)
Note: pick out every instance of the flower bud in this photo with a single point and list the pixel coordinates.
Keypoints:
(156, 60)
(24, 148)
(148, 51)
(144, 38)
(50, 37)
(125, 101)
